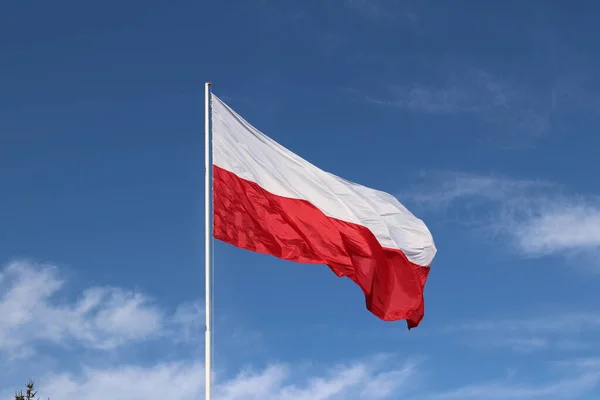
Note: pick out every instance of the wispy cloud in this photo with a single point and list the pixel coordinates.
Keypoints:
(538, 218)
(567, 332)
(565, 323)
(34, 310)
(187, 324)
(371, 8)
(488, 98)
(369, 379)
(105, 318)
(398, 13)
(447, 100)
(567, 388)
(568, 383)
(374, 378)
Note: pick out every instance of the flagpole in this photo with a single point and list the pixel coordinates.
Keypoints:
(207, 245)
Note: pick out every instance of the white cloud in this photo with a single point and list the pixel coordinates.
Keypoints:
(433, 100)
(573, 380)
(519, 113)
(521, 344)
(188, 322)
(538, 218)
(36, 309)
(33, 310)
(369, 380)
(579, 364)
(565, 332)
(568, 388)
(400, 14)
(560, 227)
(442, 190)
(568, 322)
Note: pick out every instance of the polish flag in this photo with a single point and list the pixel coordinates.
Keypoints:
(269, 200)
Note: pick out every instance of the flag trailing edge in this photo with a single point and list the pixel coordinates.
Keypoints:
(269, 200)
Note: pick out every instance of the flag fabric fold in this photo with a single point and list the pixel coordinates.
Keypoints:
(269, 200)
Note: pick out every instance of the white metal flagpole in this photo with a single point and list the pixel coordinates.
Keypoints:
(207, 244)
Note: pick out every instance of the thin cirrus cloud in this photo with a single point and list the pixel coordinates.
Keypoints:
(373, 378)
(564, 380)
(564, 388)
(34, 310)
(522, 114)
(369, 379)
(537, 218)
(566, 332)
(400, 14)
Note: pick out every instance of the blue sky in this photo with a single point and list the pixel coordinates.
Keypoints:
(479, 116)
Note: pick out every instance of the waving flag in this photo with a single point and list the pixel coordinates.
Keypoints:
(269, 200)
